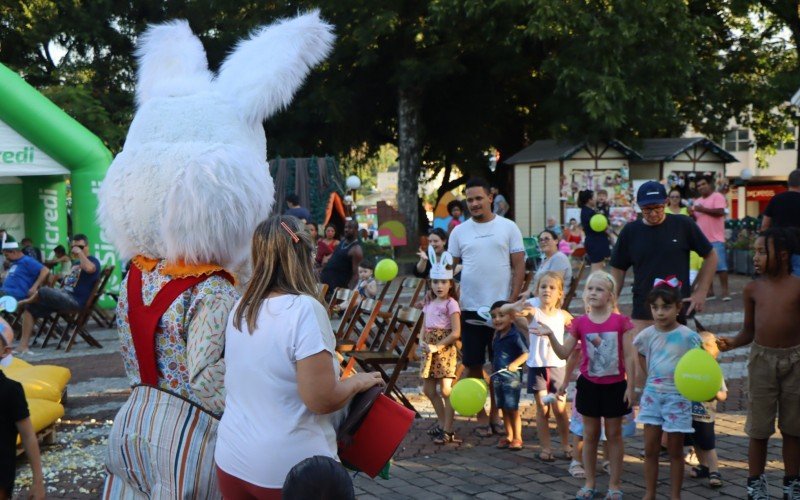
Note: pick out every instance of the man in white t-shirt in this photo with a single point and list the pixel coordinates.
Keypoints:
(491, 250)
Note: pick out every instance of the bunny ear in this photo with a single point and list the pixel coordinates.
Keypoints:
(264, 71)
(172, 62)
(431, 255)
(447, 259)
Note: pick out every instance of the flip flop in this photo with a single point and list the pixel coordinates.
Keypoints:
(516, 445)
(503, 444)
(546, 456)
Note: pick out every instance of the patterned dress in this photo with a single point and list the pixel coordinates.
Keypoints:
(153, 428)
(442, 363)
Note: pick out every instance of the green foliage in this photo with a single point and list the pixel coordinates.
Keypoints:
(367, 164)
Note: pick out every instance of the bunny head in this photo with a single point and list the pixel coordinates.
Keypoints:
(192, 181)
(441, 268)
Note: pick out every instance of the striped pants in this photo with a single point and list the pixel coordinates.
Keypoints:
(161, 447)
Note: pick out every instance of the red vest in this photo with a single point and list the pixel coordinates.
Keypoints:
(143, 319)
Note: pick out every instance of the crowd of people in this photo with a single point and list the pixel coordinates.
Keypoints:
(475, 311)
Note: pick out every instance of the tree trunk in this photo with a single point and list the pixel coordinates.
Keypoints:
(409, 149)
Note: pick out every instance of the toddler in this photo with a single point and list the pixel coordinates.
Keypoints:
(703, 439)
(510, 353)
(367, 286)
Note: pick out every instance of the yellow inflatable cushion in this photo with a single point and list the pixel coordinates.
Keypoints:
(43, 414)
(39, 381)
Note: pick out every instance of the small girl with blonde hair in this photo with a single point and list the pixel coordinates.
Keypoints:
(546, 371)
(602, 391)
(442, 331)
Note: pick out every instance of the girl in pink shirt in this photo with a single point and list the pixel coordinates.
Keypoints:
(602, 391)
(442, 331)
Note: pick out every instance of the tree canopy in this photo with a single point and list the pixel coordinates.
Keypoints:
(446, 80)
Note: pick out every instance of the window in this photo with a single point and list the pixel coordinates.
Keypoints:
(789, 144)
(737, 140)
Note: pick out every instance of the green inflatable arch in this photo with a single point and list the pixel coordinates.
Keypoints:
(40, 148)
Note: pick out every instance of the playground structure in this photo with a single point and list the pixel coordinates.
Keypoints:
(42, 150)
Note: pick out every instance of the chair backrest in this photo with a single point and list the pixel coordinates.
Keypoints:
(349, 312)
(371, 308)
(322, 291)
(405, 319)
(339, 297)
(577, 276)
(85, 313)
(385, 290)
(526, 282)
(366, 311)
(416, 287)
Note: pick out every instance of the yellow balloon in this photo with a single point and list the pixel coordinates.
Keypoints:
(698, 376)
(598, 223)
(386, 270)
(468, 396)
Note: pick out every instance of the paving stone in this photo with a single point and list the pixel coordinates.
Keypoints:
(490, 495)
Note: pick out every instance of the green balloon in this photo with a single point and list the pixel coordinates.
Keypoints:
(598, 223)
(468, 396)
(698, 376)
(386, 270)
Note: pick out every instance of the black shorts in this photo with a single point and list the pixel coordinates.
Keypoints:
(547, 378)
(703, 437)
(476, 339)
(601, 400)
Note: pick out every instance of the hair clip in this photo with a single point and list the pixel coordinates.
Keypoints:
(294, 236)
(670, 281)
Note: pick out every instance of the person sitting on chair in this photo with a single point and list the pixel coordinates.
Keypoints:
(78, 285)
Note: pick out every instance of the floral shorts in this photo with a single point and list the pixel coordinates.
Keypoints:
(669, 410)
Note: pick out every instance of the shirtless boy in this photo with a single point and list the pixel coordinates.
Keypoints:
(771, 319)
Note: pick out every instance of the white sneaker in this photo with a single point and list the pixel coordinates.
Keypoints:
(27, 354)
(791, 488)
(758, 489)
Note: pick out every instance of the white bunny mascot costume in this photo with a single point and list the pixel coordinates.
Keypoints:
(182, 200)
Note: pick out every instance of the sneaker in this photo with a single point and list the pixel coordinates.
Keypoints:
(26, 354)
(757, 488)
(791, 488)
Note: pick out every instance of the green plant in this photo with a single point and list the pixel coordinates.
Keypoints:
(374, 252)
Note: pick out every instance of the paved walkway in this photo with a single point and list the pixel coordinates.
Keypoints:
(474, 468)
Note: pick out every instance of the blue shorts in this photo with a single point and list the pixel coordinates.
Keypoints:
(722, 259)
(796, 264)
(507, 388)
(669, 410)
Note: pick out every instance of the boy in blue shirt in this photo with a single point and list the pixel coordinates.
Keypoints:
(510, 353)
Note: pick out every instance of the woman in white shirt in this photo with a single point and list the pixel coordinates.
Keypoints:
(553, 259)
(282, 377)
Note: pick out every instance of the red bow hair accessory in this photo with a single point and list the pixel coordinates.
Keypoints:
(670, 281)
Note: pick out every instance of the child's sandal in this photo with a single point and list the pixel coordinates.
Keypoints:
(585, 493)
(715, 479)
(446, 437)
(614, 495)
(576, 470)
(503, 444)
(515, 445)
(699, 472)
(435, 430)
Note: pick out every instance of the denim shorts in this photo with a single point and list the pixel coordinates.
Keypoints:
(507, 388)
(669, 410)
(722, 256)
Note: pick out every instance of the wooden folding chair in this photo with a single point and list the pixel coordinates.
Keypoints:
(76, 320)
(577, 276)
(322, 291)
(369, 308)
(393, 352)
(526, 282)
